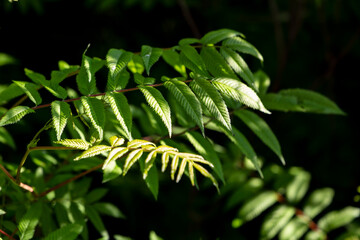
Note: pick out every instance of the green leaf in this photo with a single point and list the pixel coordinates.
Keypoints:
(31, 91)
(94, 109)
(14, 115)
(67, 232)
(337, 219)
(315, 235)
(6, 138)
(136, 143)
(60, 112)
(187, 100)
(318, 201)
(188, 41)
(29, 221)
(238, 64)
(262, 81)
(204, 172)
(58, 76)
(108, 209)
(295, 229)
(239, 92)
(206, 149)
(154, 236)
(158, 103)
(113, 155)
(121, 109)
(85, 80)
(6, 59)
(10, 92)
(93, 151)
(116, 61)
(136, 64)
(215, 63)
(213, 101)
(192, 60)
(96, 220)
(152, 178)
(54, 89)
(276, 220)
(257, 204)
(150, 56)
(262, 130)
(111, 171)
(172, 58)
(216, 36)
(298, 186)
(301, 100)
(240, 45)
(131, 159)
(74, 143)
(95, 195)
(149, 162)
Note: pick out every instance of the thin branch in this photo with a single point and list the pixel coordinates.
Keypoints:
(4, 233)
(188, 18)
(20, 184)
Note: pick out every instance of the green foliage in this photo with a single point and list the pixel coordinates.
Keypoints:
(114, 132)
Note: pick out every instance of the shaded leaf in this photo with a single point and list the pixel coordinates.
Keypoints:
(96, 221)
(67, 232)
(31, 91)
(318, 201)
(6, 138)
(29, 221)
(172, 58)
(108, 209)
(337, 219)
(192, 60)
(136, 64)
(116, 61)
(262, 130)
(215, 63)
(95, 195)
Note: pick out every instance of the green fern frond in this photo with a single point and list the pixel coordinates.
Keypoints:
(212, 100)
(187, 100)
(14, 115)
(158, 103)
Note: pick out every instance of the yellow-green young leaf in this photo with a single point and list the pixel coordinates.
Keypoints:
(149, 161)
(172, 58)
(94, 109)
(29, 221)
(187, 100)
(31, 91)
(262, 130)
(116, 61)
(116, 141)
(238, 64)
(301, 100)
(215, 63)
(212, 100)
(240, 45)
(216, 36)
(192, 60)
(121, 109)
(191, 173)
(150, 56)
(174, 165)
(164, 160)
(276, 220)
(205, 173)
(165, 148)
(158, 103)
(318, 201)
(181, 169)
(131, 159)
(205, 148)
(14, 115)
(114, 154)
(68, 232)
(257, 204)
(60, 112)
(239, 92)
(93, 151)
(136, 143)
(337, 219)
(298, 186)
(74, 143)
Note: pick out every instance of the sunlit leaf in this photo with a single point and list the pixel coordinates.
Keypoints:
(131, 159)
(74, 143)
(60, 112)
(240, 45)
(216, 36)
(337, 219)
(172, 58)
(94, 109)
(14, 115)
(68, 232)
(298, 186)
(116, 61)
(150, 56)
(93, 151)
(317, 201)
(192, 60)
(29, 221)
(31, 91)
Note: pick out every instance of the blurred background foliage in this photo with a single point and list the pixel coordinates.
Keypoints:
(306, 44)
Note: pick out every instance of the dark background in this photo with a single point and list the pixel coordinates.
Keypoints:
(306, 44)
